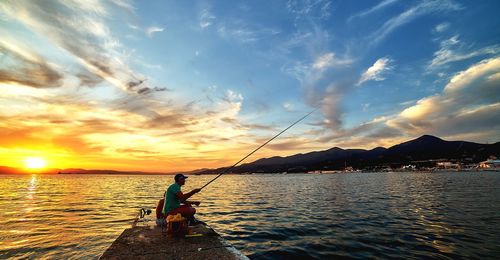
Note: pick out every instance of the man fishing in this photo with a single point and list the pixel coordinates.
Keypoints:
(174, 197)
(170, 205)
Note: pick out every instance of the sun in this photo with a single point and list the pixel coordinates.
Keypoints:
(35, 163)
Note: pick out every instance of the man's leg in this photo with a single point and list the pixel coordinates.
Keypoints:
(185, 210)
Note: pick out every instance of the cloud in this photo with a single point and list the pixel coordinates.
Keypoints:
(88, 79)
(171, 120)
(365, 107)
(310, 8)
(378, 7)
(329, 60)
(25, 67)
(442, 27)
(153, 29)
(288, 106)
(453, 50)
(117, 114)
(206, 19)
(376, 71)
(421, 9)
(325, 78)
(81, 30)
(471, 100)
(243, 32)
(101, 127)
(231, 96)
(468, 107)
(323, 89)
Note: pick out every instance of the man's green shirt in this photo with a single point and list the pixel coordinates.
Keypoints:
(171, 201)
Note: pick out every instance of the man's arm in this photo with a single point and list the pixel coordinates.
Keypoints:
(183, 197)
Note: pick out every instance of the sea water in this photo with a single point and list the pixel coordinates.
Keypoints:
(413, 215)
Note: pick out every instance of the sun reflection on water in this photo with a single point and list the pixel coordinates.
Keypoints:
(265, 216)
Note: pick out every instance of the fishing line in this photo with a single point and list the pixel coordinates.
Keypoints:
(258, 148)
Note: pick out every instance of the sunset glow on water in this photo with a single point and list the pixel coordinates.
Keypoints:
(356, 215)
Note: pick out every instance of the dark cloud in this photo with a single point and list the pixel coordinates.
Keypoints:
(132, 84)
(28, 71)
(89, 80)
(169, 121)
(102, 64)
(144, 91)
(229, 120)
(148, 90)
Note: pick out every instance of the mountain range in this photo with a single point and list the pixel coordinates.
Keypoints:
(421, 152)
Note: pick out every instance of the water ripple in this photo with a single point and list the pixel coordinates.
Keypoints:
(354, 216)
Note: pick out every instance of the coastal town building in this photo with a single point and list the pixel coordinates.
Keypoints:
(447, 165)
(490, 164)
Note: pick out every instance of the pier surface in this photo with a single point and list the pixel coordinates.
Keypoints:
(151, 242)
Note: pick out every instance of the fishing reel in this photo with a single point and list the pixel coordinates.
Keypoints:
(143, 212)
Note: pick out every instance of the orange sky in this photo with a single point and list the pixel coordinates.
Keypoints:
(47, 123)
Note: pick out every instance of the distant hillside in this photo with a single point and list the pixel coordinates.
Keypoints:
(9, 170)
(417, 151)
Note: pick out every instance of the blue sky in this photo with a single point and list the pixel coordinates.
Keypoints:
(159, 83)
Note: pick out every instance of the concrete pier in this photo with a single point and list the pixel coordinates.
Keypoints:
(152, 242)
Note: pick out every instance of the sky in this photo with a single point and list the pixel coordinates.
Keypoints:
(168, 86)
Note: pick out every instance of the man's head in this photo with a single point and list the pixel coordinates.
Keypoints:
(180, 178)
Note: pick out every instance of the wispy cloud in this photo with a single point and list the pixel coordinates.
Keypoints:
(81, 30)
(25, 67)
(421, 9)
(442, 27)
(206, 18)
(376, 71)
(244, 33)
(378, 7)
(320, 9)
(310, 8)
(153, 29)
(329, 60)
(287, 106)
(453, 50)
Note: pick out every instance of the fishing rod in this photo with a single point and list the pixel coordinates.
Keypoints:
(258, 148)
